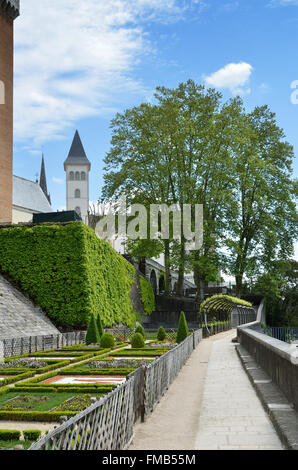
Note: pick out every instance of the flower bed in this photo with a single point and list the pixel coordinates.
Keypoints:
(23, 364)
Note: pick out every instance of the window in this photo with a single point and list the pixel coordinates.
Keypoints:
(78, 210)
(83, 176)
(77, 176)
(71, 176)
(77, 193)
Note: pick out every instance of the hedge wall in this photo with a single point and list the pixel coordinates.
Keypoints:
(147, 296)
(69, 272)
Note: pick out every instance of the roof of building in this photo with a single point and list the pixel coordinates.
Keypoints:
(29, 195)
(11, 7)
(77, 154)
(43, 180)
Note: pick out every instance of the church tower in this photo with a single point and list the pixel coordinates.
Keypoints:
(43, 180)
(9, 11)
(77, 168)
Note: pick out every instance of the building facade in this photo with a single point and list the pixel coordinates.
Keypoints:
(77, 168)
(9, 11)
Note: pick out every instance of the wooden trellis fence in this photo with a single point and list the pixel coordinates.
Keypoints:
(30, 344)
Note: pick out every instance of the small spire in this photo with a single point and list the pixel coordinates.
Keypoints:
(43, 180)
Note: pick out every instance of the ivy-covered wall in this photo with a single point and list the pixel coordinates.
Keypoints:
(69, 272)
(147, 296)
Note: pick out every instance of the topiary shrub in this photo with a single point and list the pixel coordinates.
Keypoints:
(161, 334)
(99, 326)
(137, 341)
(32, 435)
(9, 435)
(92, 336)
(183, 331)
(140, 329)
(107, 341)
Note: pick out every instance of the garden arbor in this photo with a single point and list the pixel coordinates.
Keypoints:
(225, 307)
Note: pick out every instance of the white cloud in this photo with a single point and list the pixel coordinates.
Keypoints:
(58, 180)
(232, 77)
(75, 59)
(276, 3)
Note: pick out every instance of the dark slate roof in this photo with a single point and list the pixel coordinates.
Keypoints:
(29, 195)
(11, 7)
(77, 154)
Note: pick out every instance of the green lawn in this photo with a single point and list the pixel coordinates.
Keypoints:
(32, 401)
(11, 444)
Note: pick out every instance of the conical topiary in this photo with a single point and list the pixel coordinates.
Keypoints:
(140, 329)
(92, 336)
(183, 331)
(99, 326)
(161, 334)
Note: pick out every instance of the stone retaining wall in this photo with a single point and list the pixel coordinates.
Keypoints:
(278, 359)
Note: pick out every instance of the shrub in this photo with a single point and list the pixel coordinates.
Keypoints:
(147, 296)
(69, 272)
(107, 341)
(137, 341)
(161, 334)
(183, 331)
(140, 329)
(9, 435)
(33, 435)
(92, 336)
(99, 326)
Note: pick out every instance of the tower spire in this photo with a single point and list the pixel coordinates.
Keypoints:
(43, 180)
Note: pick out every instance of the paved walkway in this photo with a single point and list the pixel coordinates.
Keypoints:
(211, 405)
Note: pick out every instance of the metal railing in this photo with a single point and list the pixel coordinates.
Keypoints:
(286, 333)
(30, 344)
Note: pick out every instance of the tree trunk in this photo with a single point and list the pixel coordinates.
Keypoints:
(239, 280)
(167, 268)
(180, 282)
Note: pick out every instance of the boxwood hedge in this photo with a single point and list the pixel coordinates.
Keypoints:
(69, 272)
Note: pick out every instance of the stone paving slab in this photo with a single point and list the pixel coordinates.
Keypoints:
(211, 405)
(229, 400)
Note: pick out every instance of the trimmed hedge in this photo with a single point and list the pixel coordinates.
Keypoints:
(183, 331)
(44, 416)
(32, 435)
(9, 435)
(161, 334)
(147, 296)
(107, 341)
(69, 272)
(113, 371)
(16, 378)
(137, 341)
(92, 336)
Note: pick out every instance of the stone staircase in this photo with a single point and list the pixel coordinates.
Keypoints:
(19, 317)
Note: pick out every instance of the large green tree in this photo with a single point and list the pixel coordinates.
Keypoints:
(173, 152)
(262, 221)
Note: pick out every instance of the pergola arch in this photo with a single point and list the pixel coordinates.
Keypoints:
(222, 305)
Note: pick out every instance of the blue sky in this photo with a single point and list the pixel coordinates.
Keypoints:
(78, 63)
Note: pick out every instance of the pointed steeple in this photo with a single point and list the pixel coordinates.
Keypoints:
(43, 180)
(77, 154)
